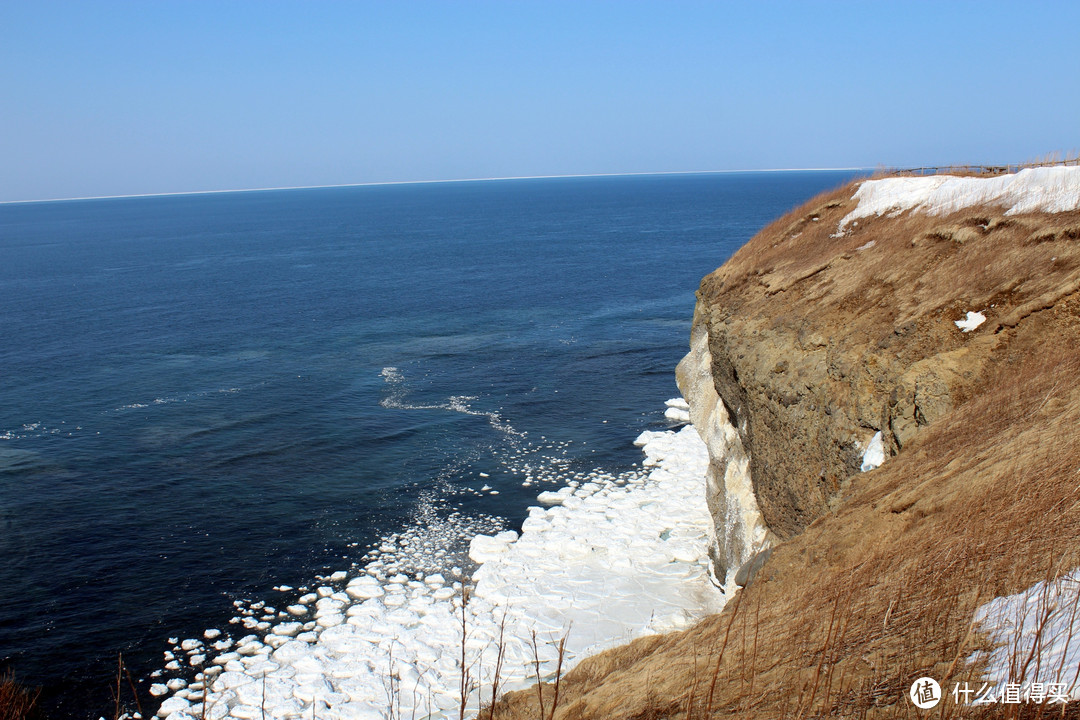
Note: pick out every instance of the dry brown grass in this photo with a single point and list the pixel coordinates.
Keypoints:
(880, 301)
(17, 702)
(983, 502)
(850, 612)
(975, 258)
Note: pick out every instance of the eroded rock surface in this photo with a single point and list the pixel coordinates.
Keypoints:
(813, 338)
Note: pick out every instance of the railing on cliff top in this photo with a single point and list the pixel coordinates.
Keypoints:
(983, 169)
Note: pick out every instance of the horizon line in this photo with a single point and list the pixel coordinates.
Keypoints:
(423, 182)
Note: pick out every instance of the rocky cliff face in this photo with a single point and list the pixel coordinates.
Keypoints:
(739, 529)
(823, 331)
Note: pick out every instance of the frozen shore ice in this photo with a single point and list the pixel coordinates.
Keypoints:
(615, 559)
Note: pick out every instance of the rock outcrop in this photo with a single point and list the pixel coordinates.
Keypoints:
(945, 328)
(738, 526)
(831, 326)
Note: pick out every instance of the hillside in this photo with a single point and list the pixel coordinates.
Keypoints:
(850, 325)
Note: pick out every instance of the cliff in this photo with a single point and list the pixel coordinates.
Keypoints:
(821, 332)
(937, 319)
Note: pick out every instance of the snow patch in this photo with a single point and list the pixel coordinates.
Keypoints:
(1041, 627)
(971, 321)
(1049, 189)
(874, 455)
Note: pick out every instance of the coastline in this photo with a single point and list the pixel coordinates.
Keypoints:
(887, 372)
(609, 560)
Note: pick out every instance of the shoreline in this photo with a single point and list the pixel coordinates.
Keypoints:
(607, 561)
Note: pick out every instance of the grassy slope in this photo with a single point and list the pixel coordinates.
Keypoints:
(984, 501)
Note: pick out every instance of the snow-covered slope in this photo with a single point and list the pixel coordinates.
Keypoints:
(1048, 189)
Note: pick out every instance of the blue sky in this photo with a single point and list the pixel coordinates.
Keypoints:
(109, 98)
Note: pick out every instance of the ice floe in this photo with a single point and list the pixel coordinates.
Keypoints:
(678, 410)
(1048, 189)
(612, 558)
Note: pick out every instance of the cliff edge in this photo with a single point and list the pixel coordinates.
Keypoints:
(886, 381)
(839, 321)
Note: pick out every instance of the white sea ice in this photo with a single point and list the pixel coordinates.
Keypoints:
(485, 547)
(172, 705)
(621, 557)
(1049, 189)
(677, 414)
(677, 410)
(874, 455)
(971, 321)
(550, 498)
(364, 587)
(287, 629)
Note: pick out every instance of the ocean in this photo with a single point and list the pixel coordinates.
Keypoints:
(204, 397)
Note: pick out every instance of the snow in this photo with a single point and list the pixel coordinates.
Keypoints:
(971, 321)
(874, 455)
(1046, 616)
(617, 557)
(1048, 189)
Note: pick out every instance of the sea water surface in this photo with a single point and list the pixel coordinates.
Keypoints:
(206, 396)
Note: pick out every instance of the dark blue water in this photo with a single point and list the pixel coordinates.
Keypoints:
(194, 394)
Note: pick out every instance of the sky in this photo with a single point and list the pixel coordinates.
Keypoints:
(114, 98)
